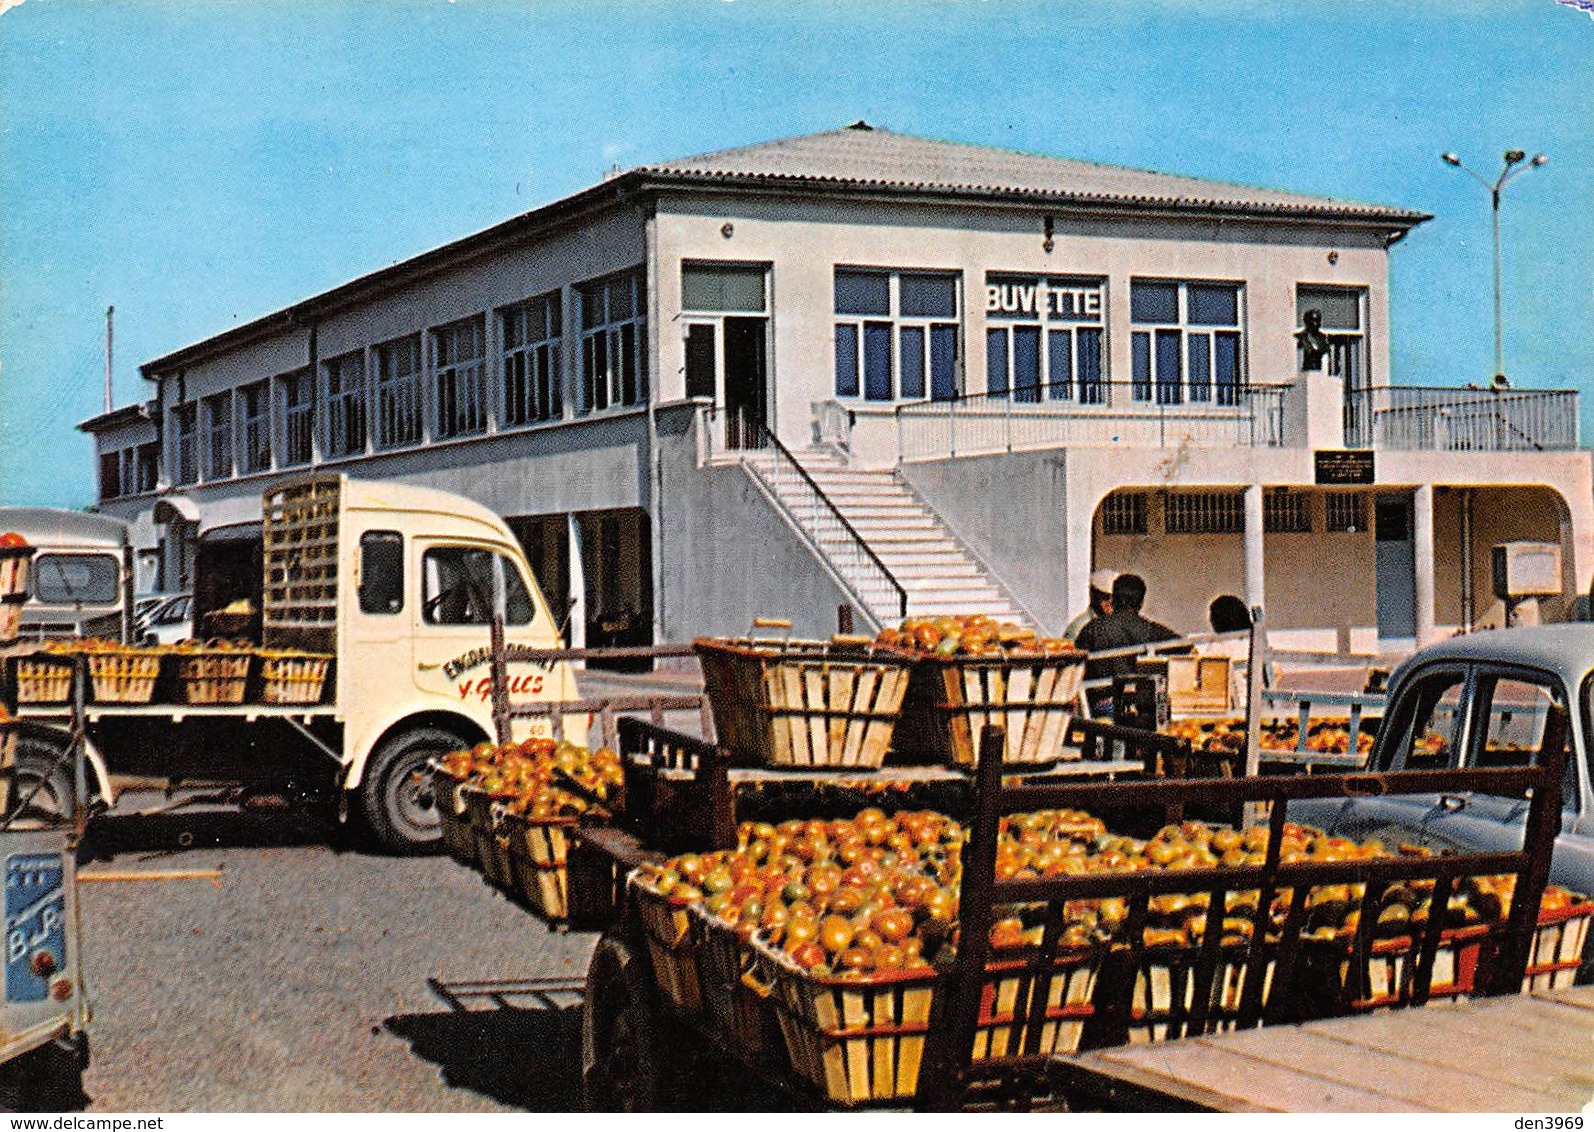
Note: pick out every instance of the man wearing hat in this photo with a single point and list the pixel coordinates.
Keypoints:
(1100, 603)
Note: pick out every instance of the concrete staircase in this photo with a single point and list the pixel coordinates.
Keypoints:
(939, 574)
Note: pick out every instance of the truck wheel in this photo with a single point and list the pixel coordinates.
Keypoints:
(43, 779)
(625, 1052)
(395, 795)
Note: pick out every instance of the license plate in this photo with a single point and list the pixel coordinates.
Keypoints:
(35, 923)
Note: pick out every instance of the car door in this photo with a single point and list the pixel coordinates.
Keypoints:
(461, 584)
(1427, 730)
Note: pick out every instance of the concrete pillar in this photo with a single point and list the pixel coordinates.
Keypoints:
(578, 584)
(1422, 560)
(1255, 564)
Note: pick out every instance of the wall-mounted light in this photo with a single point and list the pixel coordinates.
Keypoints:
(1333, 258)
(727, 229)
(1047, 243)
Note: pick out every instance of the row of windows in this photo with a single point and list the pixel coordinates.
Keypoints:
(1284, 511)
(432, 386)
(129, 471)
(897, 337)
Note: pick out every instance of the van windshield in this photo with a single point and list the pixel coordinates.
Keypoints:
(68, 579)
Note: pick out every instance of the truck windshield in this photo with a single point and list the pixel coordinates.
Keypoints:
(68, 579)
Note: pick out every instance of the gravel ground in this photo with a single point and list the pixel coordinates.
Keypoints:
(298, 980)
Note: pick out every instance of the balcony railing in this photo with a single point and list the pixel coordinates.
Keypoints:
(1126, 414)
(1411, 418)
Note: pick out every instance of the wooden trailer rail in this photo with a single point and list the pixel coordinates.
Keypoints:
(605, 710)
(948, 1073)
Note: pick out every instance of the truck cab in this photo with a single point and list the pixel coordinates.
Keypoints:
(391, 591)
(81, 582)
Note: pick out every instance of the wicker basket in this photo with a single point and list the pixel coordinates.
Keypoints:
(805, 703)
(537, 862)
(1030, 694)
(292, 678)
(668, 929)
(124, 676)
(212, 676)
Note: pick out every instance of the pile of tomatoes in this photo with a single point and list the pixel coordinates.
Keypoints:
(540, 778)
(972, 634)
(877, 895)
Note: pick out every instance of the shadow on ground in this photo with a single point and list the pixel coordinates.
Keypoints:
(529, 1059)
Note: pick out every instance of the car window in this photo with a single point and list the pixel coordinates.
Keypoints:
(1432, 737)
(1515, 712)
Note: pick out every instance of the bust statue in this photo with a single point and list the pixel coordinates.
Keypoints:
(1313, 342)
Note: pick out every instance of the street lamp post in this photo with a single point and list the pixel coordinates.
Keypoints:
(1514, 159)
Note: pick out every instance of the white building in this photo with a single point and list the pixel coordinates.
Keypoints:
(863, 369)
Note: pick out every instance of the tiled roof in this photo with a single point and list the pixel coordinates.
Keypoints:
(865, 157)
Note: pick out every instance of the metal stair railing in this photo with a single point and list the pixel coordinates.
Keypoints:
(812, 511)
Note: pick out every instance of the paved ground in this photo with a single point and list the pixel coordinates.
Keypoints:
(298, 980)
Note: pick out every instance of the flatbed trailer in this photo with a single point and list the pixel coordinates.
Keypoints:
(686, 792)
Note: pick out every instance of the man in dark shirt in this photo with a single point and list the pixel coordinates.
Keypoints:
(1121, 628)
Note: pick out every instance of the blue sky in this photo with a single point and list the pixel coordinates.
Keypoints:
(204, 162)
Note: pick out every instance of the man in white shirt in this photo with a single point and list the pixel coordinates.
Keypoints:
(1100, 602)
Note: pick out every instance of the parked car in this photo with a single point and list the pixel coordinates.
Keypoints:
(1484, 700)
(168, 621)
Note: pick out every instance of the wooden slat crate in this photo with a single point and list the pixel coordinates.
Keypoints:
(492, 846)
(804, 703)
(1164, 998)
(1030, 694)
(1558, 946)
(44, 679)
(125, 676)
(537, 862)
(862, 1040)
(668, 929)
(292, 678)
(740, 1005)
(458, 839)
(213, 676)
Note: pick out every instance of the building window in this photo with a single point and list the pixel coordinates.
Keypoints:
(218, 436)
(254, 409)
(345, 405)
(1185, 341)
(459, 361)
(1124, 513)
(110, 475)
(1203, 513)
(146, 467)
(1286, 512)
(398, 392)
(1342, 325)
(532, 333)
(896, 335)
(1345, 512)
(723, 288)
(613, 348)
(1043, 338)
(185, 432)
(298, 418)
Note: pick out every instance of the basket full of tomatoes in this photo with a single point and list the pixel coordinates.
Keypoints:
(812, 704)
(973, 670)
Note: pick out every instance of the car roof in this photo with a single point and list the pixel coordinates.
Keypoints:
(1566, 649)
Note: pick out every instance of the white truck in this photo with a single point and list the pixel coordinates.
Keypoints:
(398, 585)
